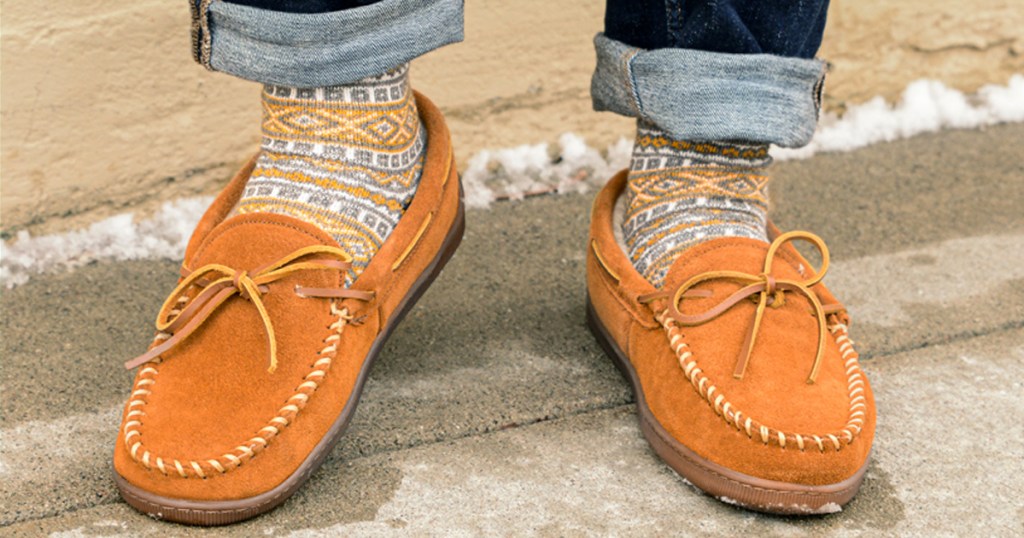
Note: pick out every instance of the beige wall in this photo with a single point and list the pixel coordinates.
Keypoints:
(101, 108)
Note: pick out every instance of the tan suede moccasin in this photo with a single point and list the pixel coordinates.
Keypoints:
(262, 352)
(746, 380)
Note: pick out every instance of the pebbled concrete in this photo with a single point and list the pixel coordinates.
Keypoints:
(928, 249)
(594, 474)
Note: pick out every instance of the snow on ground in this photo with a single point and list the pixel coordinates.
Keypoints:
(120, 237)
(515, 173)
(925, 106)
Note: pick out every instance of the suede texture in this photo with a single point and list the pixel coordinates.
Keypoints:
(774, 389)
(213, 392)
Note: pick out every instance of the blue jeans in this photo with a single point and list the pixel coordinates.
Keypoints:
(698, 69)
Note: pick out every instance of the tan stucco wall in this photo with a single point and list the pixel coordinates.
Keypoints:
(101, 108)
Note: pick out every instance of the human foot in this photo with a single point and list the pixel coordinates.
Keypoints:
(346, 159)
(747, 382)
(263, 348)
(681, 193)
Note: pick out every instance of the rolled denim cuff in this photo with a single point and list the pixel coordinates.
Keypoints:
(320, 49)
(699, 95)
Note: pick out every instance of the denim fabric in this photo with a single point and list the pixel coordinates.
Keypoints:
(697, 69)
(321, 49)
(781, 27)
(699, 95)
(714, 69)
(303, 6)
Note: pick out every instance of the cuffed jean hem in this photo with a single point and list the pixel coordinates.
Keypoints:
(699, 95)
(320, 49)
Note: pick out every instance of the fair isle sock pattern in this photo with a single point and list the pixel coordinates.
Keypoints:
(681, 193)
(346, 158)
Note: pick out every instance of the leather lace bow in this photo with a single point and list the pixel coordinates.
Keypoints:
(220, 283)
(769, 291)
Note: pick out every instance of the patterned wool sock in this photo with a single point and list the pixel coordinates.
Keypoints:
(344, 158)
(681, 193)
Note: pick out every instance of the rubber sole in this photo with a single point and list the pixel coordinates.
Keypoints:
(725, 484)
(211, 513)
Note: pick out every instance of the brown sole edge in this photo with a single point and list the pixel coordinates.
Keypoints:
(726, 485)
(213, 513)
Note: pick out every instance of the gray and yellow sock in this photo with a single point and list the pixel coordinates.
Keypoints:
(682, 193)
(344, 158)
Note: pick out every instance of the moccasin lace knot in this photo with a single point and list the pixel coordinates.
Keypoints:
(220, 283)
(244, 284)
(765, 289)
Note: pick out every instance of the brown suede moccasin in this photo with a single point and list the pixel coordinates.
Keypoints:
(747, 383)
(261, 352)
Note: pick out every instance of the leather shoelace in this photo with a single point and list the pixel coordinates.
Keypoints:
(770, 291)
(219, 283)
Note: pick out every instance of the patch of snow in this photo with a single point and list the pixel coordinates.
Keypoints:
(532, 169)
(515, 173)
(925, 106)
(120, 237)
(828, 508)
(730, 500)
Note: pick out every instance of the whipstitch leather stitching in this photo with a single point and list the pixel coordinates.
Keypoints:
(202, 468)
(758, 431)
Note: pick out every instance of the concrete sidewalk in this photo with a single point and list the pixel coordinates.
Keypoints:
(494, 412)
